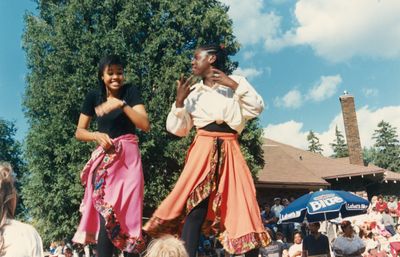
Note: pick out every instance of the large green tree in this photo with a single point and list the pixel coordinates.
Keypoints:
(10, 151)
(339, 145)
(64, 43)
(313, 143)
(387, 147)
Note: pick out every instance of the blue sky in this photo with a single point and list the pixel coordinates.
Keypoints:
(299, 55)
(12, 62)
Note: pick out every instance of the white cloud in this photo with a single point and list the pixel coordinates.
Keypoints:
(338, 30)
(250, 24)
(325, 89)
(248, 72)
(291, 132)
(370, 92)
(293, 99)
(248, 55)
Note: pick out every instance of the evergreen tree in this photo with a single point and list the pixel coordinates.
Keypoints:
(387, 147)
(64, 43)
(313, 143)
(369, 155)
(10, 151)
(339, 146)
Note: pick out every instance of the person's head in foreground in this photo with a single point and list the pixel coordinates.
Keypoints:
(166, 246)
(347, 228)
(208, 57)
(8, 197)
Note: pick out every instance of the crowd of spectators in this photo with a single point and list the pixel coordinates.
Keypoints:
(376, 233)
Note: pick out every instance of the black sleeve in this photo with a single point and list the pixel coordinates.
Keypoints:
(327, 245)
(89, 104)
(305, 244)
(133, 96)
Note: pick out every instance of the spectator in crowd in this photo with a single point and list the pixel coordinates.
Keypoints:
(394, 242)
(16, 238)
(268, 218)
(166, 246)
(274, 249)
(68, 252)
(398, 209)
(287, 228)
(53, 247)
(375, 217)
(348, 244)
(388, 222)
(296, 249)
(281, 239)
(276, 211)
(381, 205)
(208, 249)
(373, 201)
(277, 207)
(396, 236)
(369, 240)
(60, 248)
(315, 243)
(392, 205)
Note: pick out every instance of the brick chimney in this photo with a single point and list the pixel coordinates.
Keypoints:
(351, 128)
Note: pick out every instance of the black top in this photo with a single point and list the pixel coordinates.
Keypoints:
(115, 123)
(223, 127)
(316, 246)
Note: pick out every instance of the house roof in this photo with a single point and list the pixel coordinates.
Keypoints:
(283, 168)
(390, 175)
(387, 174)
(290, 165)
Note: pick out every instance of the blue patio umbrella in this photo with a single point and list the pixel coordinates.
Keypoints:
(324, 205)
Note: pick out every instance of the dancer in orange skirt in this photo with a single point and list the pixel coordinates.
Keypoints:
(215, 193)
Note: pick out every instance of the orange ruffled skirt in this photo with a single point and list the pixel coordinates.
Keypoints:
(214, 168)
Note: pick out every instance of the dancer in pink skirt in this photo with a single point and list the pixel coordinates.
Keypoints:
(113, 178)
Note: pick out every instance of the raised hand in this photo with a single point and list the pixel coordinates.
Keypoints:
(182, 89)
(108, 106)
(221, 78)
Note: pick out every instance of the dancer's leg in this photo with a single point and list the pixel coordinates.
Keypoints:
(105, 247)
(252, 253)
(131, 254)
(192, 227)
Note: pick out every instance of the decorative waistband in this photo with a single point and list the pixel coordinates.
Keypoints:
(222, 135)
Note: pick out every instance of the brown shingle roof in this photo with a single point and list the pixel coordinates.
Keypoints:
(390, 175)
(283, 168)
(289, 165)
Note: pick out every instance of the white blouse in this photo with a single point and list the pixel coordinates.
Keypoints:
(21, 240)
(219, 104)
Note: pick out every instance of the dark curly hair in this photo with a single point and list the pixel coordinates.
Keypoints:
(219, 52)
(104, 62)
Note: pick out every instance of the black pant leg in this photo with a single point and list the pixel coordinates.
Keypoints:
(105, 247)
(192, 227)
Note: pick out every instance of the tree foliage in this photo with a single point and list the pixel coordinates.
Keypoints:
(339, 145)
(64, 43)
(387, 147)
(313, 143)
(10, 151)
